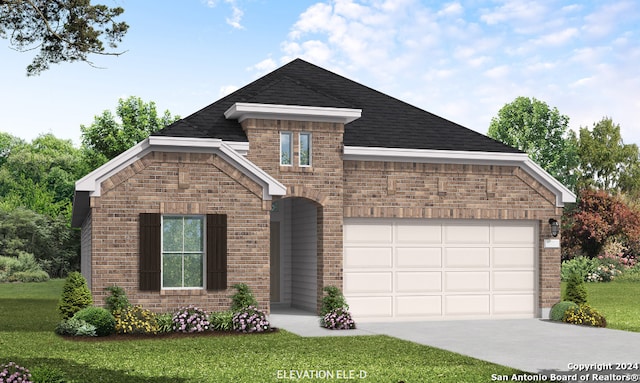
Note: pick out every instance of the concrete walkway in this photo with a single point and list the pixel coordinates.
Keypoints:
(532, 345)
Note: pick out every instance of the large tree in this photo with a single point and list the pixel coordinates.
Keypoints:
(111, 135)
(62, 30)
(542, 132)
(606, 162)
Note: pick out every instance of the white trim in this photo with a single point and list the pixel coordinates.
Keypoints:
(271, 186)
(241, 111)
(361, 153)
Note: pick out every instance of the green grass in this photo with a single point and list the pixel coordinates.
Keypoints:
(618, 301)
(28, 316)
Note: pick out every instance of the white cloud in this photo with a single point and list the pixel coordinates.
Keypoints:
(558, 38)
(498, 72)
(263, 67)
(236, 12)
(451, 9)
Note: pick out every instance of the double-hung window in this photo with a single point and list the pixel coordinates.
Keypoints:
(286, 148)
(183, 247)
(305, 149)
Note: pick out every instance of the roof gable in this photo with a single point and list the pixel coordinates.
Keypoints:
(385, 121)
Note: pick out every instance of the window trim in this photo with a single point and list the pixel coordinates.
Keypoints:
(203, 253)
(290, 134)
(309, 141)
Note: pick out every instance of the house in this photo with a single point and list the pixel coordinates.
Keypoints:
(304, 179)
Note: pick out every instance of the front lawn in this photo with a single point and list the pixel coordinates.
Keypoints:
(618, 301)
(28, 316)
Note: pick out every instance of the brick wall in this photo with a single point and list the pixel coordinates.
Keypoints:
(322, 182)
(178, 183)
(450, 191)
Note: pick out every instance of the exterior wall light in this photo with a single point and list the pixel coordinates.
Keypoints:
(555, 227)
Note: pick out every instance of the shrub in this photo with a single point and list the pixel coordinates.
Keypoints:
(190, 319)
(75, 327)
(338, 319)
(165, 322)
(333, 300)
(47, 375)
(75, 295)
(581, 265)
(558, 310)
(29, 276)
(118, 300)
(136, 320)
(23, 268)
(221, 320)
(101, 318)
(575, 292)
(631, 275)
(11, 372)
(242, 298)
(250, 319)
(584, 315)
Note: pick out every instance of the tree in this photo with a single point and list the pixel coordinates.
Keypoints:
(542, 132)
(41, 175)
(606, 162)
(599, 217)
(107, 137)
(64, 30)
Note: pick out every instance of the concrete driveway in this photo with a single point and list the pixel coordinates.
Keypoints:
(532, 345)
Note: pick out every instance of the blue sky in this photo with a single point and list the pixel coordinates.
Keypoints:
(462, 60)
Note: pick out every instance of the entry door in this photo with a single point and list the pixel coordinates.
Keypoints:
(275, 261)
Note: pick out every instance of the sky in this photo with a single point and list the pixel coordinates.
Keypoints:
(461, 60)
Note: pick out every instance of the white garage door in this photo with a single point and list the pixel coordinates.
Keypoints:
(440, 269)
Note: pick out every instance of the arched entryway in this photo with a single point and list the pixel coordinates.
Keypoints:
(294, 253)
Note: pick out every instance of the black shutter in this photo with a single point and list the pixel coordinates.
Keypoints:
(150, 249)
(216, 251)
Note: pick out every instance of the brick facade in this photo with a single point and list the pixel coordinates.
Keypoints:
(178, 183)
(190, 183)
(450, 191)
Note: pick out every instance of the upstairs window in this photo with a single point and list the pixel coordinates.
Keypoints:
(286, 148)
(305, 149)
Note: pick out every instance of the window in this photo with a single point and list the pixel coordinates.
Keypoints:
(305, 149)
(286, 148)
(182, 252)
(152, 250)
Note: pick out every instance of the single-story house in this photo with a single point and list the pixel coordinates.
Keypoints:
(304, 179)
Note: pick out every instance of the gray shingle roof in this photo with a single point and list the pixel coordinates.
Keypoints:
(385, 122)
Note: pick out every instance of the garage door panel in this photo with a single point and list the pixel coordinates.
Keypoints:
(520, 257)
(374, 282)
(467, 305)
(467, 257)
(513, 233)
(466, 233)
(368, 257)
(371, 306)
(419, 306)
(418, 282)
(419, 257)
(418, 233)
(472, 281)
(440, 269)
(368, 233)
(513, 304)
(513, 280)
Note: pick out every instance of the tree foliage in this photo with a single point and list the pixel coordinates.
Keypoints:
(542, 132)
(63, 30)
(606, 162)
(110, 135)
(597, 218)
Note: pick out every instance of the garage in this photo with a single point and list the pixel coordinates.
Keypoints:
(417, 269)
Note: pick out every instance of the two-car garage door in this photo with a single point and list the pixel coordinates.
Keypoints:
(440, 269)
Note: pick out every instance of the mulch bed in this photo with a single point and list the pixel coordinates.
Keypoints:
(169, 335)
